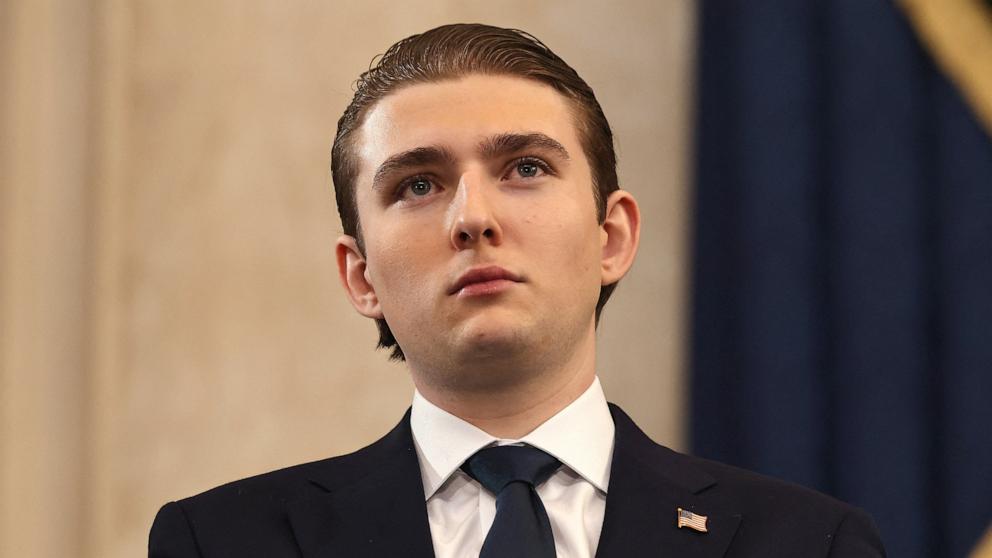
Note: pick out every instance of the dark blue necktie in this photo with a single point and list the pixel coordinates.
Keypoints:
(521, 528)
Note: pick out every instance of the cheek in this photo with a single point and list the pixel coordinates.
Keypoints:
(566, 240)
(400, 268)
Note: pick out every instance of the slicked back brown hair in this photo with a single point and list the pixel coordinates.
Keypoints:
(450, 52)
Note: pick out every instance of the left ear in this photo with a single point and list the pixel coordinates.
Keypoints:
(620, 233)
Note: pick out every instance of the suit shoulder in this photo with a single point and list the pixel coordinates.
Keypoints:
(278, 485)
(720, 482)
(776, 509)
(291, 483)
(773, 517)
(767, 489)
(250, 517)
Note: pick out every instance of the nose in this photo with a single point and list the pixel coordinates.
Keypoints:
(472, 219)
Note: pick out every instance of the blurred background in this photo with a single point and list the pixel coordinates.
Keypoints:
(813, 296)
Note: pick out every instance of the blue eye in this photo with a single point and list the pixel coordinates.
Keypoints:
(528, 169)
(420, 187)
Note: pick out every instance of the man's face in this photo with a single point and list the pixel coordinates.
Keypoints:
(479, 220)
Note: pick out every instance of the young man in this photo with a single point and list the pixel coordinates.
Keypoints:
(484, 232)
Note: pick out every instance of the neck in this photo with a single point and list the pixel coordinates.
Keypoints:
(511, 410)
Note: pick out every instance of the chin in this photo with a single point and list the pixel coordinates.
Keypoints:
(491, 337)
(491, 343)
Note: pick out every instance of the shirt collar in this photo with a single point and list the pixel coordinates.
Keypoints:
(580, 436)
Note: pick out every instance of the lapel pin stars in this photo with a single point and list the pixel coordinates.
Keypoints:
(691, 520)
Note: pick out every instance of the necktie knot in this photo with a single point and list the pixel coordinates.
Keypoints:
(498, 466)
(521, 527)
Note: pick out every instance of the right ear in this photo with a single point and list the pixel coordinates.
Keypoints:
(353, 272)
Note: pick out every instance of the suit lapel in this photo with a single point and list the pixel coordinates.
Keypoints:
(381, 513)
(648, 483)
(374, 505)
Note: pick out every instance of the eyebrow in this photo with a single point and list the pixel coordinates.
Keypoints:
(490, 148)
(416, 157)
(504, 144)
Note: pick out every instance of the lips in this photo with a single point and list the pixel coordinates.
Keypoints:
(483, 275)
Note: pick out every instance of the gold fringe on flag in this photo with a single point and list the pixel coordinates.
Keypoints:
(984, 548)
(959, 35)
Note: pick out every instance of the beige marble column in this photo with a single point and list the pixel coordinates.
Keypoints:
(44, 245)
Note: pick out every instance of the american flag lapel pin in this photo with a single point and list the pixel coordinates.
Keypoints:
(691, 520)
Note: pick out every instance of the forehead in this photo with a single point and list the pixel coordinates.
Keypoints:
(457, 113)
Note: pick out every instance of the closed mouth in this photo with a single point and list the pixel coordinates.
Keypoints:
(483, 275)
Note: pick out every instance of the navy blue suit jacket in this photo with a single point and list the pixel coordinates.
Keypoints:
(371, 503)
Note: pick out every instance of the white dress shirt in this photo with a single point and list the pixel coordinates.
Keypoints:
(461, 512)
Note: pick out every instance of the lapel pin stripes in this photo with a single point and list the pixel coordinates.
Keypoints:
(691, 520)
